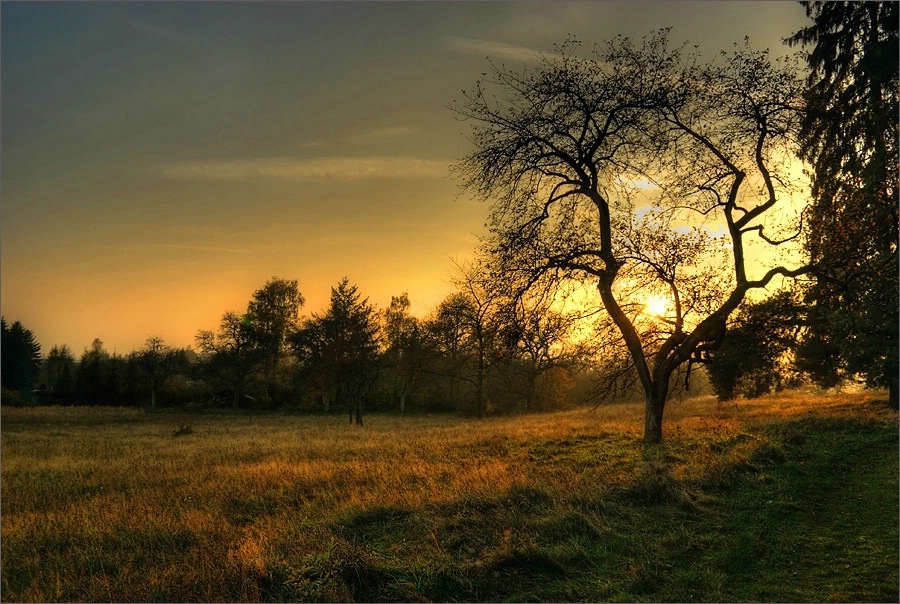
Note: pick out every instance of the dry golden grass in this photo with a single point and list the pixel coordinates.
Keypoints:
(106, 504)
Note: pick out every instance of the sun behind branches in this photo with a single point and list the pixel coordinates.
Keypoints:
(657, 306)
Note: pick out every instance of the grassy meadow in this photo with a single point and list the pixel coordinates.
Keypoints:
(791, 498)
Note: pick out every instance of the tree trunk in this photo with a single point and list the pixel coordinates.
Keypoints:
(532, 391)
(359, 421)
(653, 415)
(152, 397)
(479, 384)
(402, 402)
(479, 397)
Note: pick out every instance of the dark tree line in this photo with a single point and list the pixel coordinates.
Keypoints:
(97, 377)
(849, 137)
(471, 355)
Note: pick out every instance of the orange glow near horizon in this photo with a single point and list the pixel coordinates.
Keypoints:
(147, 191)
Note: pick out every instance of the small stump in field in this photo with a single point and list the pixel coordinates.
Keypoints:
(182, 430)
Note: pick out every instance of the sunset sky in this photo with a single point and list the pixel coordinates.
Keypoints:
(161, 161)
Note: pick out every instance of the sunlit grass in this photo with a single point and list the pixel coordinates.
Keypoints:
(106, 504)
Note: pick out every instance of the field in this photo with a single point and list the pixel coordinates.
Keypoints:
(790, 498)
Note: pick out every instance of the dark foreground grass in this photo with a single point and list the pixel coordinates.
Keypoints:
(751, 507)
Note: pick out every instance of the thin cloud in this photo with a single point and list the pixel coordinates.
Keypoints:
(385, 133)
(198, 248)
(495, 50)
(295, 169)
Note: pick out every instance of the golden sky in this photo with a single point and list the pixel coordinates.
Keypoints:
(160, 161)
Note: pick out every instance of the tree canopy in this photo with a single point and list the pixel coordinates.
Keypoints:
(273, 314)
(568, 153)
(21, 357)
(849, 137)
(340, 348)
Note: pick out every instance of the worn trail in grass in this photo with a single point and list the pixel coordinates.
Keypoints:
(791, 498)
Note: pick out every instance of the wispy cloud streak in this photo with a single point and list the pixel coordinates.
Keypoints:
(198, 248)
(385, 133)
(295, 169)
(495, 50)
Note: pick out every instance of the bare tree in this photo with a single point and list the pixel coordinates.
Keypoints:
(469, 332)
(232, 354)
(546, 341)
(403, 348)
(621, 169)
(157, 361)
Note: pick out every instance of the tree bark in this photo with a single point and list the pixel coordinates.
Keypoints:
(532, 391)
(479, 395)
(655, 403)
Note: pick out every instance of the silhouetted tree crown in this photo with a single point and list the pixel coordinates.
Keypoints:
(340, 349)
(20, 355)
(273, 313)
(566, 153)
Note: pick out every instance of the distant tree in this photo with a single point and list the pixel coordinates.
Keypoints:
(93, 384)
(849, 137)
(20, 355)
(546, 348)
(340, 349)
(273, 312)
(403, 354)
(446, 353)
(567, 151)
(469, 329)
(231, 356)
(756, 354)
(158, 362)
(312, 349)
(60, 370)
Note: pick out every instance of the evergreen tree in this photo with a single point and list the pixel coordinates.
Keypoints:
(849, 137)
(339, 350)
(60, 371)
(21, 357)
